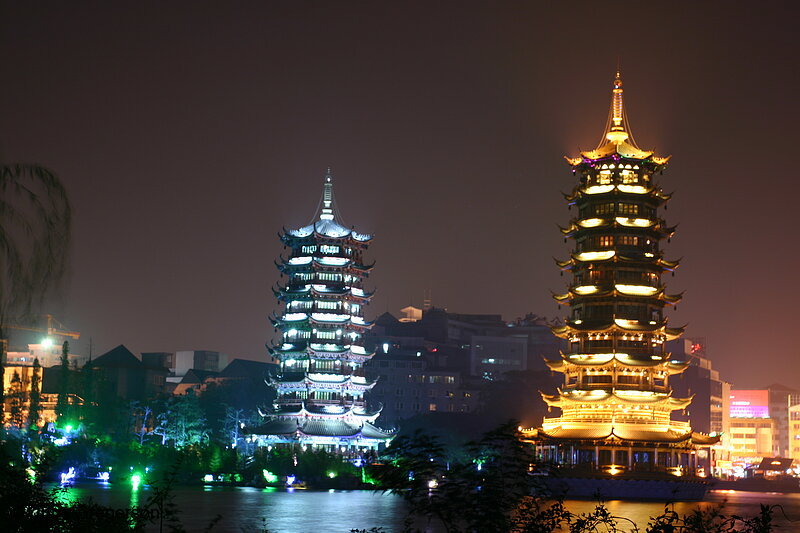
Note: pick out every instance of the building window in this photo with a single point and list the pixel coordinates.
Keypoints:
(604, 209)
(431, 407)
(309, 249)
(606, 240)
(328, 249)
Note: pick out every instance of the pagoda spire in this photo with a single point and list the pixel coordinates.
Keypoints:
(327, 197)
(617, 123)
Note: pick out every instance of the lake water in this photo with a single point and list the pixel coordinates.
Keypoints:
(246, 509)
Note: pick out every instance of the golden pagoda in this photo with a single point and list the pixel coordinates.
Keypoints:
(616, 400)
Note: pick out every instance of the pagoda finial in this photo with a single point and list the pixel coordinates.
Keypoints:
(616, 132)
(327, 197)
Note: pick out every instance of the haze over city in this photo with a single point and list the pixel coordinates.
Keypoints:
(188, 137)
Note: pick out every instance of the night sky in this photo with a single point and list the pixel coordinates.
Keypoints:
(188, 134)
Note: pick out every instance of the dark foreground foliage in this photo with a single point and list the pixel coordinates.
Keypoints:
(487, 488)
(484, 489)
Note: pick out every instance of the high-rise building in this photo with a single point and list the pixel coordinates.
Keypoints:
(781, 398)
(710, 409)
(616, 400)
(753, 429)
(321, 382)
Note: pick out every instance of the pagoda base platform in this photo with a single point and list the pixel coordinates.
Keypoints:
(652, 487)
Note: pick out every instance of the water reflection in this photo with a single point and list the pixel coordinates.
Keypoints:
(334, 511)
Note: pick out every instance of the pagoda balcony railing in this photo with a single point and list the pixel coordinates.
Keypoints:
(619, 420)
(317, 309)
(289, 401)
(606, 284)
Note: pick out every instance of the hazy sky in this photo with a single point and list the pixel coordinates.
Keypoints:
(189, 133)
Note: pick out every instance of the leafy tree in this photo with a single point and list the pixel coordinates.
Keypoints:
(35, 405)
(143, 420)
(484, 490)
(62, 404)
(16, 399)
(181, 421)
(35, 227)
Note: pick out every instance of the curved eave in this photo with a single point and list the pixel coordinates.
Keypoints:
(615, 361)
(351, 237)
(564, 265)
(613, 327)
(668, 265)
(674, 333)
(344, 353)
(345, 383)
(573, 261)
(553, 400)
(608, 293)
(556, 365)
(620, 398)
(618, 151)
(701, 439)
(656, 228)
(622, 149)
(675, 367)
(649, 191)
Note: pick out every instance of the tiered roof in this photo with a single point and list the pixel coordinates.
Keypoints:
(616, 369)
(321, 384)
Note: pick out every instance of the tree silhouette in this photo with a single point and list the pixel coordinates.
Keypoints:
(35, 225)
(35, 405)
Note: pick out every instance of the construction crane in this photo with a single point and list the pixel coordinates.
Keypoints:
(54, 327)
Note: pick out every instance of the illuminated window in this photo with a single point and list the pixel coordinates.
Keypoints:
(604, 209)
(628, 380)
(628, 209)
(628, 240)
(604, 178)
(628, 176)
(309, 249)
(431, 407)
(606, 240)
(328, 249)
